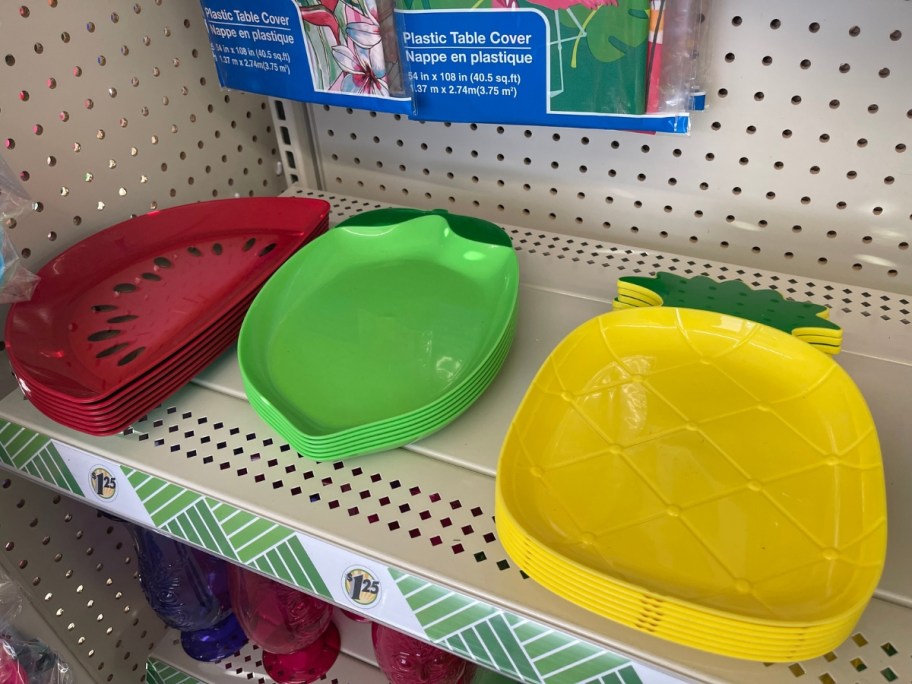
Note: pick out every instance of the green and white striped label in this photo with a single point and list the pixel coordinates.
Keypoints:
(498, 640)
(25, 450)
(158, 672)
(510, 644)
(227, 531)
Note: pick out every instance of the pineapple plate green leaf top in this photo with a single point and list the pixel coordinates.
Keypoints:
(805, 320)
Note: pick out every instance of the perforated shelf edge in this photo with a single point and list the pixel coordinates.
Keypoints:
(419, 519)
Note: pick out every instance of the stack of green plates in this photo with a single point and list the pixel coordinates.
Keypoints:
(381, 331)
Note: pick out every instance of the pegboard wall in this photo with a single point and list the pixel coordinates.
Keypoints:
(799, 165)
(79, 573)
(110, 109)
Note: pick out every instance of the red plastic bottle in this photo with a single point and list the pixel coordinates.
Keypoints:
(406, 660)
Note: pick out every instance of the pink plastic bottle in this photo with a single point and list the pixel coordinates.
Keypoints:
(275, 617)
(295, 630)
(406, 660)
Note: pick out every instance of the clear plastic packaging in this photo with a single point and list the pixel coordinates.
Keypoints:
(24, 660)
(30, 661)
(675, 60)
(10, 601)
(16, 282)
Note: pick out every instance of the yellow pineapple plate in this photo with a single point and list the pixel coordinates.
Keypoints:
(656, 616)
(710, 463)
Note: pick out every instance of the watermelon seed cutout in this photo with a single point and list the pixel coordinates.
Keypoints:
(103, 335)
(111, 350)
(129, 358)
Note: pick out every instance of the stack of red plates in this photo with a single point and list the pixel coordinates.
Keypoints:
(124, 318)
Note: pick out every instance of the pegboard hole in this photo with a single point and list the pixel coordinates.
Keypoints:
(805, 64)
(884, 72)
(813, 27)
(844, 68)
(775, 24)
(895, 35)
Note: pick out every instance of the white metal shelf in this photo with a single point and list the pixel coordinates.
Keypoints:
(426, 510)
(800, 165)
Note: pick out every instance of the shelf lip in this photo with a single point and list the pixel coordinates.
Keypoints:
(334, 543)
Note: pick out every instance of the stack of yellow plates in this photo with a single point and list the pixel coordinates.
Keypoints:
(700, 477)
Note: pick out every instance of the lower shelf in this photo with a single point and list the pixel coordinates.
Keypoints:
(168, 664)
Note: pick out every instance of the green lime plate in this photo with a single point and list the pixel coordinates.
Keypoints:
(391, 436)
(451, 404)
(382, 317)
